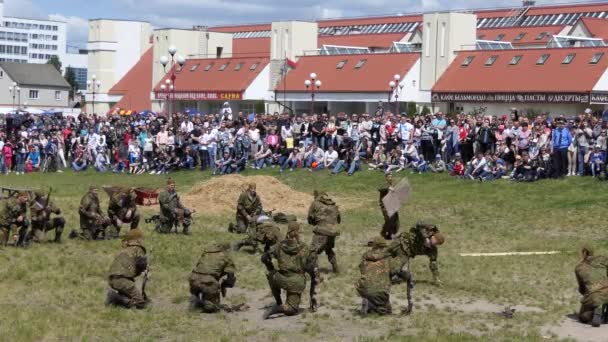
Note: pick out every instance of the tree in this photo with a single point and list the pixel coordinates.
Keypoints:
(54, 61)
(411, 109)
(425, 110)
(70, 77)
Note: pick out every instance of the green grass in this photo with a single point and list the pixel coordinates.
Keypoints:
(56, 293)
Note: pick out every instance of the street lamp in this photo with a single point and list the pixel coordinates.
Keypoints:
(395, 87)
(313, 84)
(15, 90)
(170, 83)
(93, 86)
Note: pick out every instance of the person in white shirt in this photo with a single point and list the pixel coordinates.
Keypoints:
(187, 127)
(315, 154)
(93, 144)
(405, 130)
(329, 159)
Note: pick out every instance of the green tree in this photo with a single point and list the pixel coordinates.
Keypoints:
(54, 61)
(70, 77)
(425, 110)
(411, 109)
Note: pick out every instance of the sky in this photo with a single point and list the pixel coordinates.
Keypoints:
(186, 13)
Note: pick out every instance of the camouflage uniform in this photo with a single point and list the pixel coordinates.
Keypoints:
(408, 245)
(171, 208)
(10, 210)
(592, 277)
(129, 263)
(324, 215)
(214, 263)
(391, 223)
(92, 222)
(294, 259)
(40, 212)
(249, 204)
(122, 207)
(264, 232)
(374, 286)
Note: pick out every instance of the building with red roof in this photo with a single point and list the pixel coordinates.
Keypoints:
(133, 90)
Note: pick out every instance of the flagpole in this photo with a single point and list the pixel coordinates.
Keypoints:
(285, 83)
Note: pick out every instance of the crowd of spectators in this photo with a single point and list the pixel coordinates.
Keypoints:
(481, 147)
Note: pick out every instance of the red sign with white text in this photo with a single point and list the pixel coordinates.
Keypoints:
(199, 96)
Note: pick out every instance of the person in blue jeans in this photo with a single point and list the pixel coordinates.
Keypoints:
(291, 161)
(597, 162)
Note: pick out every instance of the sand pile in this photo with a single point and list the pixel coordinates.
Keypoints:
(219, 195)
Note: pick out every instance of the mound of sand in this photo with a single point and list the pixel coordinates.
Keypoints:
(219, 195)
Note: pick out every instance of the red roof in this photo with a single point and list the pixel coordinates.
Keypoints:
(362, 40)
(135, 85)
(229, 80)
(370, 21)
(501, 77)
(572, 8)
(250, 47)
(372, 77)
(598, 28)
(531, 33)
(496, 13)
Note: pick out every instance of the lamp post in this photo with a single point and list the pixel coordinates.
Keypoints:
(166, 89)
(93, 86)
(14, 90)
(170, 83)
(395, 87)
(313, 84)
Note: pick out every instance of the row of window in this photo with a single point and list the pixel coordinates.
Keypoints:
(43, 36)
(252, 34)
(343, 30)
(13, 36)
(540, 61)
(519, 37)
(40, 56)
(13, 60)
(538, 20)
(357, 66)
(222, 67)
(29, 26)
(13, 50)
(43, 47)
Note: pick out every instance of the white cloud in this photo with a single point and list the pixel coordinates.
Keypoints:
(22, 9)
(77, 28)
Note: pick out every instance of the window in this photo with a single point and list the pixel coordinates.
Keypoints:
(491, 60)
(360, 64)
(254, 66)
(194, 67)
(57, 95)
(1, 74)
(569, 58)
(341, 64)
(33, 94)
(467, 61)
(209, 66)
(541, 36)
(238, 66)
(520, 36)
(515, 60)
(542, 59)
(54, 37)
(24, 50)
(223, 67)
(594, 60)
(500, 37)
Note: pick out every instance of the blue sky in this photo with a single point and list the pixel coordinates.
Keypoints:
(185, 13)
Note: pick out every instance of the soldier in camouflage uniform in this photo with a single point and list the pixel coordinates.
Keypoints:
(264, 232)
(294, 259)
(92, 221)
(374, 286)
(248, 207)
(172, 211)
(391, 223)
(422, 239)
(122, 208)
(324, 215)
(128, 264)
(13, 221)
(40, 214)
(214, 264)
(592, 276)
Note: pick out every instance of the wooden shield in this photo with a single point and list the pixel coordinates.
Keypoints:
(396, 198)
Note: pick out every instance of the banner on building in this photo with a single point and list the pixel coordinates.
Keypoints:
(511, 97)
(198, 96)
(599, 98)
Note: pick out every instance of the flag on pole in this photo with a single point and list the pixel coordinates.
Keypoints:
(290, 63)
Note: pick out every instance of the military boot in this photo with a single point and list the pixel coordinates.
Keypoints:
(597, 317)
(275, 309)
(116, 299)
(364, 307)
(186, 230)
(334, 265)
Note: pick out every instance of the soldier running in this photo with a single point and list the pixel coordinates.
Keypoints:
(172, 211)
(324, 215)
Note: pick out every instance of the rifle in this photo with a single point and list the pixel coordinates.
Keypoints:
(144, 282)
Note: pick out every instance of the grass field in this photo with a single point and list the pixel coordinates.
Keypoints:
(56, 292)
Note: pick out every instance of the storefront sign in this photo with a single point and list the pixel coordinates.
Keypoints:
(511, 98)
(600, 98)
(199, 96)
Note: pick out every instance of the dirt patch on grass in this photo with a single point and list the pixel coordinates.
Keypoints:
(570, 328)
(219, 195)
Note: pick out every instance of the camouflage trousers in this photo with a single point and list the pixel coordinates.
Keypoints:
(14, 234)
(166, 224)
(378, 300)
(390, 226)
(39, 229)
(322, 243)
(114, 228)
(207, 291)
(591, 302)
(126, 287)
(293, 284)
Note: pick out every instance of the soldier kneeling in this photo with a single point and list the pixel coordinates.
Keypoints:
(591, 274)
(374, 286)
(128, 264)
(205, 285)
(41, 208)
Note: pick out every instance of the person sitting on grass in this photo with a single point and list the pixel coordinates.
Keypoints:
(291, 161)
(597, 162)
(438, 165)
(262, 157)
(378, 159)
(101, 161)
(222, 164)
